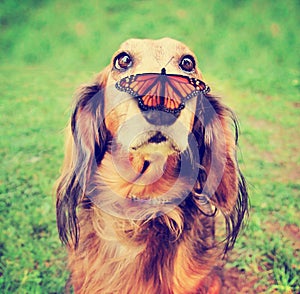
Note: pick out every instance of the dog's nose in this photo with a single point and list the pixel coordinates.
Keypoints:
(159, 118)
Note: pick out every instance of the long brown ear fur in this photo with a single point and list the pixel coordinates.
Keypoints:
(85, 149)
(223, 183)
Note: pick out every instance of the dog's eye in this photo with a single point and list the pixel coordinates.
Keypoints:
(123, 61)
(187, 63)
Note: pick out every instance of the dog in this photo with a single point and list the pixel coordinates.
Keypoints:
(150, 163)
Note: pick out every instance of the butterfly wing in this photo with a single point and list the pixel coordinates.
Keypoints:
(139, 84)
(145, 87)
(179, 89)
(187, 87)
(167, 92)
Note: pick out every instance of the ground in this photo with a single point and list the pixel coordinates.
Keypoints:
(242, 282)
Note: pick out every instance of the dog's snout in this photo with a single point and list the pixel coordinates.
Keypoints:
(159, 117)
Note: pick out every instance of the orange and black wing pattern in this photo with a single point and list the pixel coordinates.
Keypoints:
(167, 92)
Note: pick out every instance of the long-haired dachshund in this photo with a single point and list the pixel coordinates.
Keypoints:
(150, 162)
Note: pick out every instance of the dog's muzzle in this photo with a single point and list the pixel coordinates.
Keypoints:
(159, 117)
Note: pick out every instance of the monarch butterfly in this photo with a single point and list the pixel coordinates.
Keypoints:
(162, 91)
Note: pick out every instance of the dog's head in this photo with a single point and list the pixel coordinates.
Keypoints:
(146, 129)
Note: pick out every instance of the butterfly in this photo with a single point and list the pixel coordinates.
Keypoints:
(162, 91)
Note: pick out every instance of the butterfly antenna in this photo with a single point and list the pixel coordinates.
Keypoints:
(163, 70)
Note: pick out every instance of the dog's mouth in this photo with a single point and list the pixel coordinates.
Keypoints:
(155, 140)
(150, 154)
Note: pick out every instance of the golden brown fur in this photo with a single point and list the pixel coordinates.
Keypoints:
(138, 216)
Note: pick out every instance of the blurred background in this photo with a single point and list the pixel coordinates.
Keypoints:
(248, 52)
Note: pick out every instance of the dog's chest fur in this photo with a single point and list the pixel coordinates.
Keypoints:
(155, 255)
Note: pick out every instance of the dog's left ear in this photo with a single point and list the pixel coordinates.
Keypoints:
(84, 151)
(223, 184)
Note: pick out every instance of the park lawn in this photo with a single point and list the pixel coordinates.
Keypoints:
(247, 52)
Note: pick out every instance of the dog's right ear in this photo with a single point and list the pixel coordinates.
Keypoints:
(222, 182)
(85, 148)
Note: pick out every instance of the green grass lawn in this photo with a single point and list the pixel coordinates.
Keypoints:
(249, 54)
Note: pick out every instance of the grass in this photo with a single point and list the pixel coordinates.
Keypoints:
(248, 52)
